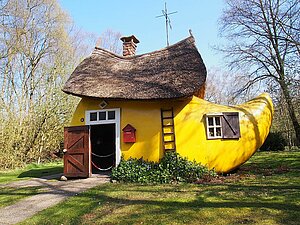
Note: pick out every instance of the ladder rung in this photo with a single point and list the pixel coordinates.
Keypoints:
(169, 141)
(166, 110)
(170, 149)
(167, 117)
(168, 133)
(168, 125)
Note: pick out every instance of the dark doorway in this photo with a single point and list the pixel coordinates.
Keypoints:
(103, 142)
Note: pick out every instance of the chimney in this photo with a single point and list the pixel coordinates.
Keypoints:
(129, 45)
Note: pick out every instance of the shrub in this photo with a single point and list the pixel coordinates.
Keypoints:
(172, 168)
(274, 142)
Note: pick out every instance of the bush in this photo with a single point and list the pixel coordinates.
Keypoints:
(172, 168)
(274, 142)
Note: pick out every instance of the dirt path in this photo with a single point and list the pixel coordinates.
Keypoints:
(54, 191)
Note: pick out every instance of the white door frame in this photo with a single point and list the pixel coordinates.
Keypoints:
(115, 121)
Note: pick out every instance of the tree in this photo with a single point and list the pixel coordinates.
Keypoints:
(264, 37)
(38, 51)
(221, 87)
(110, 40)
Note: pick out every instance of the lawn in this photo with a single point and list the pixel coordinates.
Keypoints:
(31, 171)
(10, 195)
(266, 190)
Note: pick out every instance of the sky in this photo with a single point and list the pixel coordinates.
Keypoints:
(138, 17)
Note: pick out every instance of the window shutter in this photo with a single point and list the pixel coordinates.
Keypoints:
(231, 125)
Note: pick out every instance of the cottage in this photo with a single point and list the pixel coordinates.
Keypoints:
(141, 106)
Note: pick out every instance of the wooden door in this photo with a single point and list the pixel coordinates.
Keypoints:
(76, 157)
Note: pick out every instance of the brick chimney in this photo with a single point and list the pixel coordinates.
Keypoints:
(129, 45)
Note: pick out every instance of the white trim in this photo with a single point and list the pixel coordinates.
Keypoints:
(214, 114)
(115, 121)
(106, 121)
(214, 126)
(90, 152)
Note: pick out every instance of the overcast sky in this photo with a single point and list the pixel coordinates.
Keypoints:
(139, 18)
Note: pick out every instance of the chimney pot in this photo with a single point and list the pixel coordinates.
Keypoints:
(129, 45)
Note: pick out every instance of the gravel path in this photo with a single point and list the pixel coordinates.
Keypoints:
(54, 191)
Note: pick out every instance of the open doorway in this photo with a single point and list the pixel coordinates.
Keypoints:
(103, 143)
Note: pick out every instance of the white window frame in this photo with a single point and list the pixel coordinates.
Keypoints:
(214, 126)
(115, 121)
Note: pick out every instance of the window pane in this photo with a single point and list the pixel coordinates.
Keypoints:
(111, 115)
(211, 132)
(218, 120)
(210, 121)
(102, 115)
(93, 116)
(218, 132)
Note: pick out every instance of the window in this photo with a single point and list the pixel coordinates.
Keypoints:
(214, 128)
(111, 115)
(93, 116)
(102, 116)
(225, 125)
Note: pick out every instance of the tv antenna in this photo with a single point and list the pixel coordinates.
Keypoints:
(168, 21)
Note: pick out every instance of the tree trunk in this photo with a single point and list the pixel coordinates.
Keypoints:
(291, 111)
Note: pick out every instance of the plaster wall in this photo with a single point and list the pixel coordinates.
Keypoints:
(221, 154)
(143, 116)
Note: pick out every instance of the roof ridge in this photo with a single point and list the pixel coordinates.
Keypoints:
(188, 40)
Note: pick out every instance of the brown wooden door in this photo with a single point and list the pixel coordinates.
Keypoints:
(76, 157)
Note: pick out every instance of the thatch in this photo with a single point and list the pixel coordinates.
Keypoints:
(173, 72)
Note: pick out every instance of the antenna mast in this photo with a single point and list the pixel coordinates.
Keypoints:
(168, 21)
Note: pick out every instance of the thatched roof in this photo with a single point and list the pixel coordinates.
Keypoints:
(173, 72)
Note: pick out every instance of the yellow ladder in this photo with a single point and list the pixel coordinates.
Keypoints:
(168, 129)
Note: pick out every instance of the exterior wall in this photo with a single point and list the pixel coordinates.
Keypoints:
(190, 130)
(143, 115)
(222, 154)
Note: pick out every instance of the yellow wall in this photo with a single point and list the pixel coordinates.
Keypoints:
(142, 115)
(223, 155)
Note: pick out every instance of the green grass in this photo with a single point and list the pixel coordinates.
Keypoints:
(32, 170)
(266, 190)
(9, 196)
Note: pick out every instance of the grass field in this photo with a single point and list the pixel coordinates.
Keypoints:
(10, 195)
(32, 170)
(266, 190)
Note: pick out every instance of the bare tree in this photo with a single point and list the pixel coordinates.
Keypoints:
(110, 40)
(264, 38)
(221, 87)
